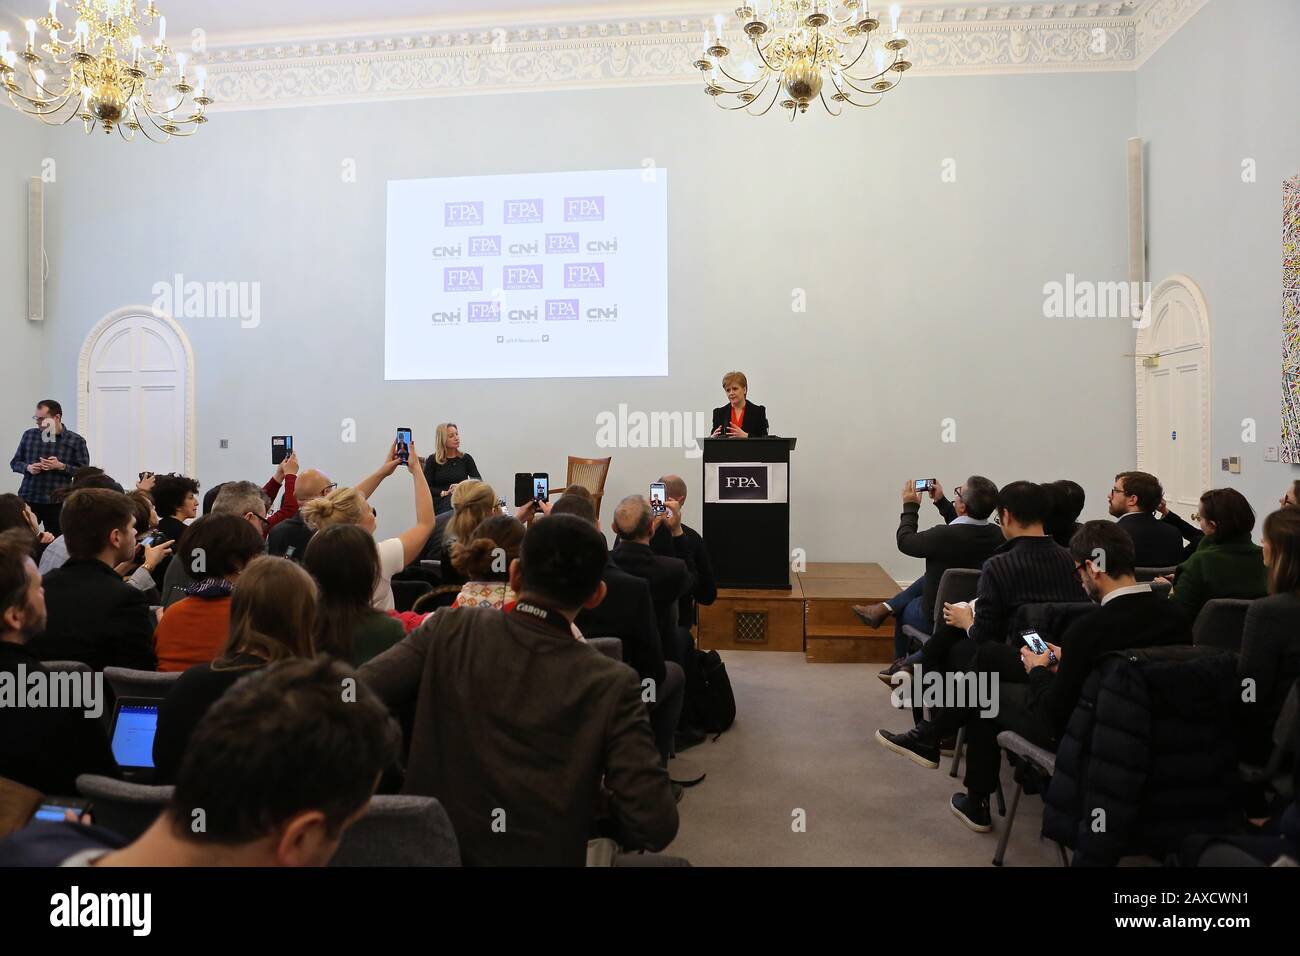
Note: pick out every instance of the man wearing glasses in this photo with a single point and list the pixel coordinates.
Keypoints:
(48, 454)
(289, 538)
(1134, 498)
(964, 540)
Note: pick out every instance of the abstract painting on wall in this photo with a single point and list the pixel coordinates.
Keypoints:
(1291, 321)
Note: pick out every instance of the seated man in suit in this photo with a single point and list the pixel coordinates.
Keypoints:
(519, 728)
(280, 767)
(1038, 692)
(1133, 502)
(705, 589)
(628, 614)
(44, 748)
(93, 615)
(1029, 568)
(670, 578)
(964, 540)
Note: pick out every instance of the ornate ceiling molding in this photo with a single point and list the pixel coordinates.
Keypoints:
(959, 38)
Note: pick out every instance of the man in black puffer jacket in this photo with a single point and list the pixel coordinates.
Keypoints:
(1148, 756)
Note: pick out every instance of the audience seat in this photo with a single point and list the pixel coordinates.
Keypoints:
(125, 808)
(1040, 759)
(129, 683)
(1220, 623)
(956, 585)
(406, 593)
(1150, 574)
(400, 831)
(609, 646)
(69, 667)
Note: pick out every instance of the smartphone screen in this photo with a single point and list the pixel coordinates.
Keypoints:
(52, 811)
(404, 444)
(280, 448)
(657, 498)
(501, 506)
(1037, 644)
(541, 487)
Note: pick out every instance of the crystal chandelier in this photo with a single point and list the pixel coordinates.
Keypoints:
(105, 74)
(804, 50)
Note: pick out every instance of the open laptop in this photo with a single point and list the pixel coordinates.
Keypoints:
(135, 721)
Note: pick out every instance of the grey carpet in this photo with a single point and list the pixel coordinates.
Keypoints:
(803, 739)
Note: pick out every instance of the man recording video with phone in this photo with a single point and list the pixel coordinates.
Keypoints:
(964, 540)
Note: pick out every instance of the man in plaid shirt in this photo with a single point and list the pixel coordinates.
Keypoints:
(47, 457)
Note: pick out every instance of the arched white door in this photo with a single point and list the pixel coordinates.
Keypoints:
(136, 395)
(1173, 392)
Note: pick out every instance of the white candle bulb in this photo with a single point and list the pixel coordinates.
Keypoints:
(880, 60)
(4, 42)
(202, 75)
(54, 7)
(717, 22)
(180, 62)
(893, 16)
(40, 78)
(162, 30)
(31, 32)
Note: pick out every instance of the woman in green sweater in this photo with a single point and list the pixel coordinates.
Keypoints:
(1226, 563)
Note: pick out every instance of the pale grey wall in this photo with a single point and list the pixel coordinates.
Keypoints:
(20, 360)
(924, 298)
(1222, 90)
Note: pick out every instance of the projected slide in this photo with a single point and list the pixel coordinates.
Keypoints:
(543, 275)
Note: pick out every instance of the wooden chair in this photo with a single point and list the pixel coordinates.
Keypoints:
(590, 473)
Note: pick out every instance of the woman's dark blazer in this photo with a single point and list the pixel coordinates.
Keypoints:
(755, 424)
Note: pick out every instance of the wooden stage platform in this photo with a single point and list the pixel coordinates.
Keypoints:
(815, 616)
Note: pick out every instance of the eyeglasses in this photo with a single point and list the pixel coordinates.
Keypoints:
(330, 487)
(960, 491)
(1118, 491)
(266, 523)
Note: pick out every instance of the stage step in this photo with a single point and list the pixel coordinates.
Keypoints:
(847, 644)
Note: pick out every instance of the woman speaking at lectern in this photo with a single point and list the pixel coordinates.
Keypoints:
(738, 418)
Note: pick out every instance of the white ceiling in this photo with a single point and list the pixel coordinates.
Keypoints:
(244, 20)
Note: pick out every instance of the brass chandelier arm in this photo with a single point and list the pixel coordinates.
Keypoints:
(879, 97)
(748, 84)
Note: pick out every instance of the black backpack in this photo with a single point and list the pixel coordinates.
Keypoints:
(710, 705)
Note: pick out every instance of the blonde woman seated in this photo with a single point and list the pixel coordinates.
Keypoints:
(344, 506)
(473, 502)
(484, 561)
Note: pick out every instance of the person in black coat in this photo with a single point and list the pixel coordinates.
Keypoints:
(705, 590)
(739, 418)
(448, 467)
(94, 616)
(1038, 692)
(1134, 499)
(669, 578)
(46, 747)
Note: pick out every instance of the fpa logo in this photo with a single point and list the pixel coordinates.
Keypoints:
(462, 214)
(485, 312)
(561, 242)
(462, 279)
(584, 275)
(522, 210)
(561, 310)
(485, 245)
(742, 483)
(584, 209)
(521, 277)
